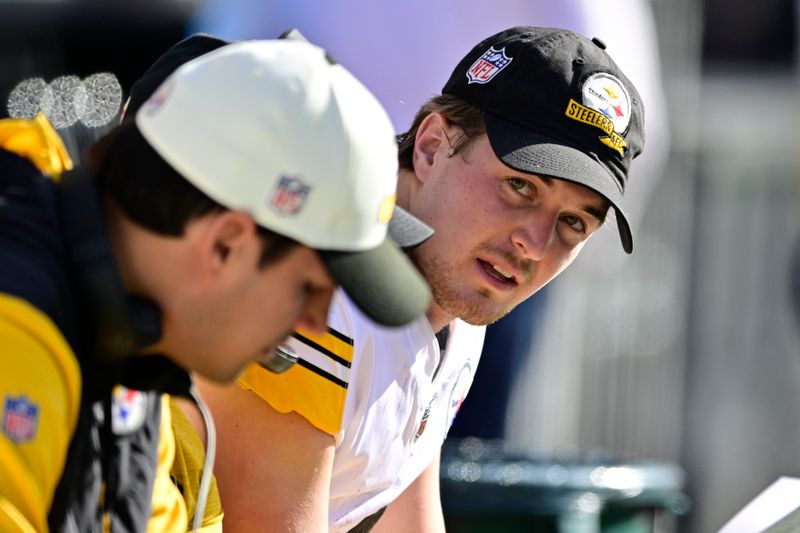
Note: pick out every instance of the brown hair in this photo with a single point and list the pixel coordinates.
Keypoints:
(458, 112)
(153, 194)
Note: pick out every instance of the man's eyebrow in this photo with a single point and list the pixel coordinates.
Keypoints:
(547, 181)
(597, 212)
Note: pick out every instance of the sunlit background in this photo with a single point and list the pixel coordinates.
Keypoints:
(675, 368)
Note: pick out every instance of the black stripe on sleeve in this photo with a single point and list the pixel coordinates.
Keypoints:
(318, 371)
(341, 336)
(321, 349)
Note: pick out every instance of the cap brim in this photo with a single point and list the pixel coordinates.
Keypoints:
(406, 230)
(382, 282)
(535, 153)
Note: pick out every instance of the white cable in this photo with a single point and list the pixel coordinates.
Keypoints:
(208, 466)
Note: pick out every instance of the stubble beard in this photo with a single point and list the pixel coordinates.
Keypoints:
(473, 307)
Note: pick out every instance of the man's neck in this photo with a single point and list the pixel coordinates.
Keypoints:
(438, 317)
(405, 178)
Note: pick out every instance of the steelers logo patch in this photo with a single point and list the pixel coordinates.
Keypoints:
(605, 93)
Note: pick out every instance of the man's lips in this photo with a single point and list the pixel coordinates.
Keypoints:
(498, 276)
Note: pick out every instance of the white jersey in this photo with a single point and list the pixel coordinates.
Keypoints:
(386, 395)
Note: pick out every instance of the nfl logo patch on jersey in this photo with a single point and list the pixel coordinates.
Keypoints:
(488, 66)
(289, 196)
(20, 418)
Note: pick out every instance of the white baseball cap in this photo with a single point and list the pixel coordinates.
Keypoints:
(280, 131)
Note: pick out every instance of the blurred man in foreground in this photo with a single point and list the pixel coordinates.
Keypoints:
(197, 237)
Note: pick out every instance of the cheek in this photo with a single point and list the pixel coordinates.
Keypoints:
(282, 297)
(275, 301)
(565, 257)
(443, 197)
(459, 226)
(571, 254)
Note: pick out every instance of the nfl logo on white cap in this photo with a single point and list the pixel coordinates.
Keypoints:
(289, 196)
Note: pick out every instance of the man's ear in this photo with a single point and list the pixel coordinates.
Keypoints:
(230, 237)
(431, 142)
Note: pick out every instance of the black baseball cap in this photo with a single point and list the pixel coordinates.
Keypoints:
(182, 52)
(556, 104)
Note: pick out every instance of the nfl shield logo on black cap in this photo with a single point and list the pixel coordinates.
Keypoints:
(488, 66)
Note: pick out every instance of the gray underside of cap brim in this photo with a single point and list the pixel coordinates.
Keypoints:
(407, 230)
(382, 282)
(535, 153)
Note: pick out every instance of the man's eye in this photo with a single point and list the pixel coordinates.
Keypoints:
(574, 222)
(521, 186)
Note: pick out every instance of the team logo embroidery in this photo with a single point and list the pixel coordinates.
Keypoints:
(289, 196)
(128, 410)
(488, 66)
(424, 422)
(607, 106)
(20, 419)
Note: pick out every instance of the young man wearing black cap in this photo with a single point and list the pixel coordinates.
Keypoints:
(196, 238)
(515, 166)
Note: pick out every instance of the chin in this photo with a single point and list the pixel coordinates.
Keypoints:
(477, 313)
(220, 376)
(484, 319)
(229, 376)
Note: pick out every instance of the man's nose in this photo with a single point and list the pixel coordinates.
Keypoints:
(314, 317)
(533, 236)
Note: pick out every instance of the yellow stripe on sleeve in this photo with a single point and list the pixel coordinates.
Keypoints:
(315, 398)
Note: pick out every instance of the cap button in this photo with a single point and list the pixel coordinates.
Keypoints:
(599, 43)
